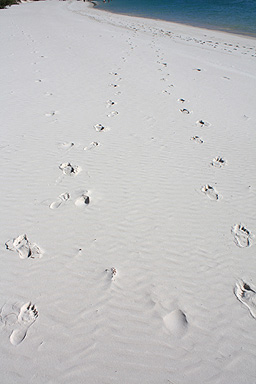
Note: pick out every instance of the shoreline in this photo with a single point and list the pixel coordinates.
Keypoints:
(243, 34)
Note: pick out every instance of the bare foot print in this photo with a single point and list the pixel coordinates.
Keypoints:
(112, 273)
(94, 144)
(247, 296)
(69, 169)
(202, 123)
(176, 323)
(185, 111)
(210, 192)
(110, 103)
(27, 316)
(218, 162)
(113, 114)
(66, 146)
(24, 248)
(61, 200)
(100, 128)
(83, 200)
(197, 139)
(243, 238)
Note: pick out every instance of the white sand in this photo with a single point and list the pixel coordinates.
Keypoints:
(138, 264)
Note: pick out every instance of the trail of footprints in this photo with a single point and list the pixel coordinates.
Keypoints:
(18, 319)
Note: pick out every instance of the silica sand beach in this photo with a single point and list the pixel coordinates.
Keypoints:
(128, 193)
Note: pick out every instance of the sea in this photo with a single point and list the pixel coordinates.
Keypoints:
(237, 16)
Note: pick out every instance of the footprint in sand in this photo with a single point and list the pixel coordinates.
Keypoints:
(185, 111)
(114, 85)
(202, 123)
(24, 248)
(92, 145)
(100, 128)
(218, 162)
(176, 323)
(181, 100)
(197, 139)
(61, 200)
(211, 192)
(243, 238)
(27, 316)
(112, 273)
(247, 296)
(66, 146)
(110, 103)
(69, 169)
(83, 200)
(113, 114)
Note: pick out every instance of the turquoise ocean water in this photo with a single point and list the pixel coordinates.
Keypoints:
(237, 16)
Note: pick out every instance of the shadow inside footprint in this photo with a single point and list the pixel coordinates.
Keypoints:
(69, 169)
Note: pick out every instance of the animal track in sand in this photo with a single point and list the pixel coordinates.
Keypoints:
(181, 100)
(82, 200)
(114, 85)
(176, 323)
(69, 169)
(27, 316)
(24, 248)
(242, 236)
(211, 192)
(247, 296)
(218, 162)
(113, 114)
(185, 111)
(197, 139)
(61, 200)
(94, 144)
(202, 123)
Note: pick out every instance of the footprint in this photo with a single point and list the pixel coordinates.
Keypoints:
(110, 103)
(185, 111)
(69, 169)
(27, 316)
(52, 113)
(24, 248)
(61, 199)
(242, 236)
(112, 114)
(247, 296)
(91, 146)
(114, 85)
(176, 323)
(100, 128)
(181, 100)
(202, 123)
(218, 162)
(82, 200)
(210, 192)
(66, 145)
(112, 272)
(197, 139)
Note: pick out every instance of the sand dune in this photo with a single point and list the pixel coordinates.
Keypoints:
(128, 193)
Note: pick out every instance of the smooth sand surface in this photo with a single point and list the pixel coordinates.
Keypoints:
(128, 195)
